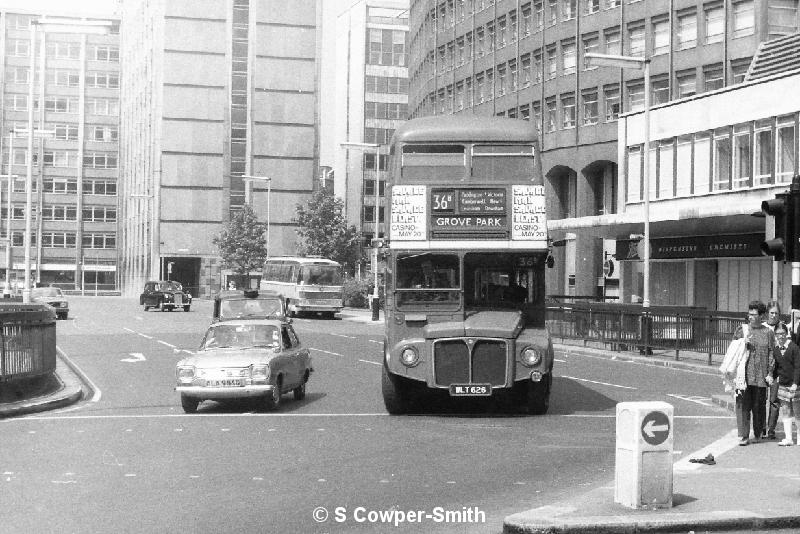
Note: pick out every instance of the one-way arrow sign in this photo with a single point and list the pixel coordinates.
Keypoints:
(655, 428)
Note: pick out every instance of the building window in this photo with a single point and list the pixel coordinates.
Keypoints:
(20, 75)
(661, 37)
(60, 186)
(568, 56)
(525, 112)
(687, 83)
(63, 50)
(100, 187)
(568, 110)
(502, 79)
(659, 87)
(58, 239)
(537, 65)
(101, 106)
(589, 106)
(480, 89)
(610, 4)
(742, 156)
(722, 160)
(715, 23)
(743, 19)
(502, 32)
(536, 106)
(762, 152)
(739, 69)
(102, 134)
(612, 102)
(683, 168)
(702, 163)
(105, 53)
(613, 42)
(100, 160)
(636, 95)
(551, 114)
(97, 240)
(527, 21)
(552, 12)
(552, 67)
(386, 47)
(785, 164)
(54, 212)
(636, 39)
(634, 174)
(568, 9)
(538, 14)
(666, 175)
(60, 158)
(782, 17)
(490, 37)
(591, 6)
(713, 77)
(63, 78)
(686, 30)
(100, 214)
(527, 75)
(18, 47)
(108, 80)
(512, 73)
(591, 44)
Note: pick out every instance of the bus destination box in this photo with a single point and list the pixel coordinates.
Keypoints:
(644, 446)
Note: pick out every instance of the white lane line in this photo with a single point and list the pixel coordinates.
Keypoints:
(342, 335)
(369, 361)
(557, 360)
(717, 448)
(596, 382)
(325, 351)
(83, 376)
(198, 415)
(703, 401)
(170, 345)
(137, 333)
(375, 341)
(613, 416)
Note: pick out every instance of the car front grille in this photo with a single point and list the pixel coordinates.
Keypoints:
(178, 298)
(320, 294)
(456, 361)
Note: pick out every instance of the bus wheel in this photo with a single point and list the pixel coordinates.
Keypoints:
(395, 396)
(534, 397)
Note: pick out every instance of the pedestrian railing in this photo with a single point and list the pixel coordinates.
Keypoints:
(630, 327)
(27, 341)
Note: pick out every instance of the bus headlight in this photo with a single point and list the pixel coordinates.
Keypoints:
(530, 357)
(409, 357)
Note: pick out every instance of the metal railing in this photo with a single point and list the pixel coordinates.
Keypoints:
(630, 327)
(27, 341)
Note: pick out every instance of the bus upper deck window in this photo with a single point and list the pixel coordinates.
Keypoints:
(503, 163)
(434, 162)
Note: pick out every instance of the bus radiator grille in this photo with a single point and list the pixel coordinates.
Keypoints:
(453, 363)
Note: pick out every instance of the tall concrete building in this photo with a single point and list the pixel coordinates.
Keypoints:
(212, 91)
(73, 78)
(526, 59)
(371, 89)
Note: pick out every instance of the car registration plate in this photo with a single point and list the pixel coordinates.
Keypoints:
(226, 382)
(470, 390)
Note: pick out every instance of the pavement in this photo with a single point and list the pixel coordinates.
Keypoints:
(749, 488)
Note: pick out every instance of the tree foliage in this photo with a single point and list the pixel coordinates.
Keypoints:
(323, 230)
(242, 244)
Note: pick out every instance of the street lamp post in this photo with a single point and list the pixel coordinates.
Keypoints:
(375, 301)
(248, 197)
(637, 63)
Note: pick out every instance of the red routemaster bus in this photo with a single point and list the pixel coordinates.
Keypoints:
(467, 247)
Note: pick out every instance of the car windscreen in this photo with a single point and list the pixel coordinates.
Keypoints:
(46, 292)
(325, 275)
(241, 336)
(239, 308)
(169, 286)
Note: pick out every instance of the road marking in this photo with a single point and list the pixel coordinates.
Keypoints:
(717, 448)
(83, 376)
(325, 351)
(596, 382)
(167, 344)
(703, 401)
(557, 360)
(197, 415)
(342, 335)
(136, 357)
(379, 341)
(368, 361)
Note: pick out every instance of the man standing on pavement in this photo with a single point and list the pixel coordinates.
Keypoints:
(751, 401)
(773, 406)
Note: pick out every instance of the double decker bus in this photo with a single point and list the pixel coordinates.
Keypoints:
(307, 283)
(467, 249)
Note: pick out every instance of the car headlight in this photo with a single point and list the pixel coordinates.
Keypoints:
(259, 373)
(530, 357)
(167, 297)
(409, 357)
(186, 374)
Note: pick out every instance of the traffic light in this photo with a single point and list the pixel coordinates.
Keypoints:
(775, 244)
(785, 210)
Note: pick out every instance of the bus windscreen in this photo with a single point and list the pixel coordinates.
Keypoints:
(324, 275)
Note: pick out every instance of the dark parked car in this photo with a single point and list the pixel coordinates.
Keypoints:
(52, 296)
(165, 295)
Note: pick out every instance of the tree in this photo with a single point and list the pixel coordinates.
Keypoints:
(323, 230)
(242, 244)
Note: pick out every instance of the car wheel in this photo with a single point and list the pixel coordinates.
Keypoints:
(146, 307)
(189, 404)
(273, 401)
(300, 391)
(186, 308)
(161, 306)
(534, 397)
(395, 395)
(62, 316)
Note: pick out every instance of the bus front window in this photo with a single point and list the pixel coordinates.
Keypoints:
(425, 278)
(324, 275)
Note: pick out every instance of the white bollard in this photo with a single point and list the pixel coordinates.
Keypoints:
(643, 472)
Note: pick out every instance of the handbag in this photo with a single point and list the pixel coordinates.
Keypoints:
(734, 362)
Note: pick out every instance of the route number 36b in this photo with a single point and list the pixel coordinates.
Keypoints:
(442, 202)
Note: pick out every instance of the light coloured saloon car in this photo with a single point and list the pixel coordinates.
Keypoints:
(245, 358)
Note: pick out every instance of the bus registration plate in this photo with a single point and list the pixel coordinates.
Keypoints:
(470, 390)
